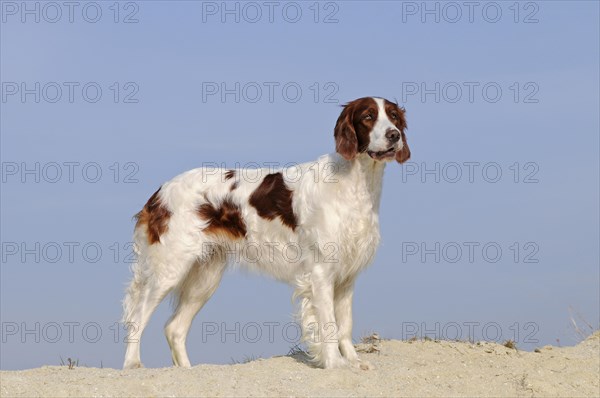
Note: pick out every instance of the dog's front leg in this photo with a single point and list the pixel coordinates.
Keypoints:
(343, 314)
(322, 334)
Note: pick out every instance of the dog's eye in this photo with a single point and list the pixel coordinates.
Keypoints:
(368, 116)
(394, 115)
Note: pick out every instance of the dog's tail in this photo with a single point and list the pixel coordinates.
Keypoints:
(136, 285)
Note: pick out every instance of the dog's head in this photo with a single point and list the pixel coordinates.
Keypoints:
(372, 127)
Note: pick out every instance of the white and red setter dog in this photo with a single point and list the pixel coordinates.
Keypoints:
(323, 214)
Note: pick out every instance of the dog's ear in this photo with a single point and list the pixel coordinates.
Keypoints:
(403, 154)
(346, 142)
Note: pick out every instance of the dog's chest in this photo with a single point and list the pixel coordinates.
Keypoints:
(357, 230)
(360, 230)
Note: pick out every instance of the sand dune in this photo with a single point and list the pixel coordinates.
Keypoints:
(418, 368)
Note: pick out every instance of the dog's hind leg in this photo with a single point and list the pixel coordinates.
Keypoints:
(155, 275)
(200, 284)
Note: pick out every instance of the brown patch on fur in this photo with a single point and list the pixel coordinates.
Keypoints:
(233, 186)
(396, 115)
(403, 154)
(229, 174)
(353, 127)
(155, 216)
(273, 199)
(225, 220)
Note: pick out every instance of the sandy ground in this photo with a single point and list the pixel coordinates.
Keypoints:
(417, 368)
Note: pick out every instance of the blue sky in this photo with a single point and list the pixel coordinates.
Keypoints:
(515, 93)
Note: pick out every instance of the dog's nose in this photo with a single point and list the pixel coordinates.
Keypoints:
(392, 135)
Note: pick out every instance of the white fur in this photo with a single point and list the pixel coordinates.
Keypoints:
(336, 213)
(378, 140)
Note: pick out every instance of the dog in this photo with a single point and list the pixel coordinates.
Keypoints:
(323, 214)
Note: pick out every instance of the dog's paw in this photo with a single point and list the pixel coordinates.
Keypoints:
(133, 365)
(337, 363)
(366, 365)
(362, 365)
